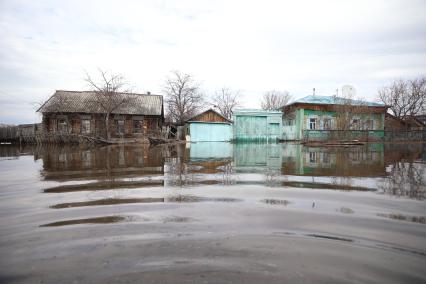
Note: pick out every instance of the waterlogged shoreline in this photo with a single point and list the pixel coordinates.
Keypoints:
(169, 218)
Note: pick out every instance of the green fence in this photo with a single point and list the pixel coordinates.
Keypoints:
(363, 135)
(337, 135)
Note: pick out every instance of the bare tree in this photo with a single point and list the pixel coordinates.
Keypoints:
(110, 94)
(226, 100)
(348, 112)
(274, 100)
(183, 97)
(405, 97)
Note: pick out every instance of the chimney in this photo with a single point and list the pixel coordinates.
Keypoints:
(314, 92)
(148, 93)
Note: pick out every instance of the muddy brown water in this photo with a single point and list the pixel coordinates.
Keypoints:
(213, 213)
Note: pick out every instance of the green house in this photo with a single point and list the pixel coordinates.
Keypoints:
(317, 118)
(257, 125)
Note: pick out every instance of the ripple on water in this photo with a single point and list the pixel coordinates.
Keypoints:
(401, 217)
(95, 220)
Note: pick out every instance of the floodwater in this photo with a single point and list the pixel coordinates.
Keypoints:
(213, 213)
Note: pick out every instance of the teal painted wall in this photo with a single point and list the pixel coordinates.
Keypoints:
(257, 156)
(302, 123)
(254, 127)
(257, 126)
(300, 115)
(210, 150)
(210, 132)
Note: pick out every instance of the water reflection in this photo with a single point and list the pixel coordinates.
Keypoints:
(70, 163)
(402, 217)
(108, 201)
(395, 169)
(360, 161)
(169, 199)
(96, 220)
(276, 202)
(104, 185)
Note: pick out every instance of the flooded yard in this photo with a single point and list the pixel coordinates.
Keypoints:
(213, 213)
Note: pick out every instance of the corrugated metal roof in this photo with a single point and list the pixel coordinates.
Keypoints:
(333, 100)
(255, 111)
(85, 102)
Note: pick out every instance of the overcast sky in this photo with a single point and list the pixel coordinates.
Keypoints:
(252, 46)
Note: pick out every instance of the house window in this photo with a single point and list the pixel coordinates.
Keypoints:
(120, 126)
(327, 124)
(85, 126)
(137, 126)
(62, 157)
(369, 124)
(312, 123)
(326, 158)
(62, 126)
(312, 157)
(355, 124)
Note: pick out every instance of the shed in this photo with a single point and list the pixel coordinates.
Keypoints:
(209, 126)
(257, 125)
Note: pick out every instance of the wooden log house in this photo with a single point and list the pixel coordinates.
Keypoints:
(79, 112)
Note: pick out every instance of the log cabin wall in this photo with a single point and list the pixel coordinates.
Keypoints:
(149, 124)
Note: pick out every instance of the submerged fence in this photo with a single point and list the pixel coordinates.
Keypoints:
(364, 135)
(33, 134)
(19, 133)
(406, 135)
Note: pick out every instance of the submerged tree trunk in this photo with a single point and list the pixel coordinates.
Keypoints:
(108, 134)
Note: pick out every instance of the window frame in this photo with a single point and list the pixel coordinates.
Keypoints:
(84, 128)
(140, 128)
(62, 125)
(369, 124)
(119, 125)
(326, 123)
(313, 157)
(313, 121)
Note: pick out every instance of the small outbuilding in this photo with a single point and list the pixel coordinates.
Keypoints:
(209, 126)
(257, 125)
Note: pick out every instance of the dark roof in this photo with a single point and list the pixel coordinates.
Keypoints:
(85, 102)
(416, 121)
(409, 120)
(210, 109)
(421, 117)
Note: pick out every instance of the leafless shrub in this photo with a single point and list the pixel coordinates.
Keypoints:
(111, 92)
(274, 100)
(405, 97)
(183, 97)
(226, 100)
(405, 179)
(347, 111)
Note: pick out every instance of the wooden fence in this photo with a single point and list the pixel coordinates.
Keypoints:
(33, 134)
